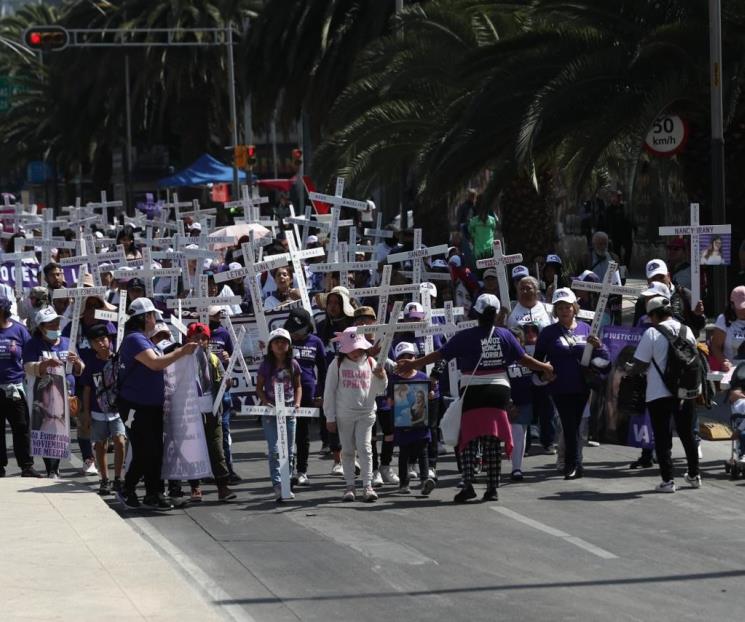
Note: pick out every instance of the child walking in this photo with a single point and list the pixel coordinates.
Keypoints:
(352, 382)
(279, 366)
(412, 432)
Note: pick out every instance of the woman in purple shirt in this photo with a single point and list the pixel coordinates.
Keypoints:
(562, 345)
(141, 397)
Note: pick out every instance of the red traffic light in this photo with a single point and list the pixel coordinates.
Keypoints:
(251, 151)
(46, 38)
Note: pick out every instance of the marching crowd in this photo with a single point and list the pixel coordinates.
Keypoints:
(523, 380)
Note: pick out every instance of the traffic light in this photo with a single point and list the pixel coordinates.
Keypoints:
(251, 155)
(46, 38)
(297, 157)
(240, 156)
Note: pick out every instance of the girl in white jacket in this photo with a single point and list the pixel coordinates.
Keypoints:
(353, 381)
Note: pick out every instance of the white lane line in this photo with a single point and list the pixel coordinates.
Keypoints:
(208, 588)
(578, 542)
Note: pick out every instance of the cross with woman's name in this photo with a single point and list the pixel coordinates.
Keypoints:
(378, 234)
(250, 202)
(46, 247)
(104, 204)
(119, 317)
(416, 255)
(17, 258)
(236, 358)
(604, 289)
(299, 270)
(694, 230)
(281, 411)
(337, 201)
(500, 261)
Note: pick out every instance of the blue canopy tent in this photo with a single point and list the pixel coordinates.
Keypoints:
(205, 170)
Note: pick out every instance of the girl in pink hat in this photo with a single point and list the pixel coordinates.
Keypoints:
(353, 381)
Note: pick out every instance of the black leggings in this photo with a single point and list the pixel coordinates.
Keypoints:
(418, 451)
(146, 441)
(384, 422)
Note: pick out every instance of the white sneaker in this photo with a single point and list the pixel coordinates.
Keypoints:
(337, 469)
(302, 479)
(695, 482)
(348, 495)
(666, 486)
(89, 468)
(389, 477)
(377, 479)
(413, 474)
(431, 474)
(369, 495)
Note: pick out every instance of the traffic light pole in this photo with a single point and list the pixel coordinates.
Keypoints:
(233, 107)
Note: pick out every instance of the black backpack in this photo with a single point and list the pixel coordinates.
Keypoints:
(684, 372)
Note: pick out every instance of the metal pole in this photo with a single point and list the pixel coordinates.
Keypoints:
(403, 176)
(128, 105)
(718, 210)
(233, 107)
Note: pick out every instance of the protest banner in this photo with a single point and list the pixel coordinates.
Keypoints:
(50, 415)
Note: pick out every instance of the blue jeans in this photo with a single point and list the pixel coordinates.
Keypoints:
(271, 435)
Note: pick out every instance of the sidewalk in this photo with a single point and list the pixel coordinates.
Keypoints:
(67, 556)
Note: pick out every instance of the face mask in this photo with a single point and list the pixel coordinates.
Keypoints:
(53, 335)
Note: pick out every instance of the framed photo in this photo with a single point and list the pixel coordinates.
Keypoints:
(410, 404)
(715, 249)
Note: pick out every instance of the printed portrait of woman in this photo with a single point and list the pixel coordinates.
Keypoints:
(419, 409)
(712, 256)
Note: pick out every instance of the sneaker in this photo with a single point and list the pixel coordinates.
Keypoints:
(54, 475)
(357, 469)
(129, 501)
(404, 490)
(337, 469)
(641, 463)
(369, 495)
(465, 495)
(694, 481)
(157, 502)
(377, 479)
(666, 486)
(412, 473)
(348, 495)
(517, 475)
(302, 479)
(104, 487)
(389, 477)
(432, 474)
(593, 444)
(118, 485)
(579, 472)
(234, 478)
(196, 495)
(491, 494)
(89, 468)
(570, 474)
(30, 472)
(225, 494)
(428, 486)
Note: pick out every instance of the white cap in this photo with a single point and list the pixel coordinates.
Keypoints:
(99, 235)
(195, 226)
(404, 348)
(656, 267)
(106, 267)
(519, 272)
(234, 265)
(553, 259)
(312, 239)
(564, 294)
(143, 305)
(658, 302)
(279, 333)
(484, 301)
(44, 315)
(440, 263)
(414, 309)
(490, 273)
(657, 289)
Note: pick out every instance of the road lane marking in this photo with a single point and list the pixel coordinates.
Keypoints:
(557, 533)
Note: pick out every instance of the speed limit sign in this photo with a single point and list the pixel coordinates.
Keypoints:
(667, 136)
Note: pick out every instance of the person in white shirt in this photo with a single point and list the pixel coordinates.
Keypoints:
(529, 308)
(651, 357)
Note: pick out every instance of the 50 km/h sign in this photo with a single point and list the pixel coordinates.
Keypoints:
(667, 136)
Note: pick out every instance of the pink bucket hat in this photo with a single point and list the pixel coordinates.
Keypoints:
(349, 341)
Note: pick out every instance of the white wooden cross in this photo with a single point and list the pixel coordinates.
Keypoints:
(694, 230)
(337, 201)
(281, 411)
(18, 216)
(197, 211)
(500, 261)
(378, 233)
(416, 256)
(18, 257)
(147, 273)
(119, 317)
(604, 289)
(299, 270)
(385, 289)
(47, 246)
(236, 358)
(48, 223)
(104, 206)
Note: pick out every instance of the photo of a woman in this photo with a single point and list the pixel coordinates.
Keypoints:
(712, 255)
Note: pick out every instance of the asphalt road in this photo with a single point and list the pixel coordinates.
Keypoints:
(602, 548)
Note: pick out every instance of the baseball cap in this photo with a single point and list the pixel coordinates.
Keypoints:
(365, 312)
(234, 265)
(142, 306)
(39, 292)
(161, 327)
(197, 328)
(195, 226)
(279, 333)
(311, 239)
(100, 330)
(656, 267)
(298, 319)
(404, 348)
(136, 283)
(657, 289)
(738, 297)
(214, 310)
(484, 301)
(553, 259)
(519, 272)
(414, 309)
(564, 294)
(45, 314)
(490, 273)
(439, 264)
(658, 302)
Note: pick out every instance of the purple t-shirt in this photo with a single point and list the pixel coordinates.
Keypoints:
(563, 349)
(37, 349)
(521, 384)
(139, 384)
(220, 342)
(91, 377)
(469, 345)
(12, 340)
(279, 374)
(311, 356)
